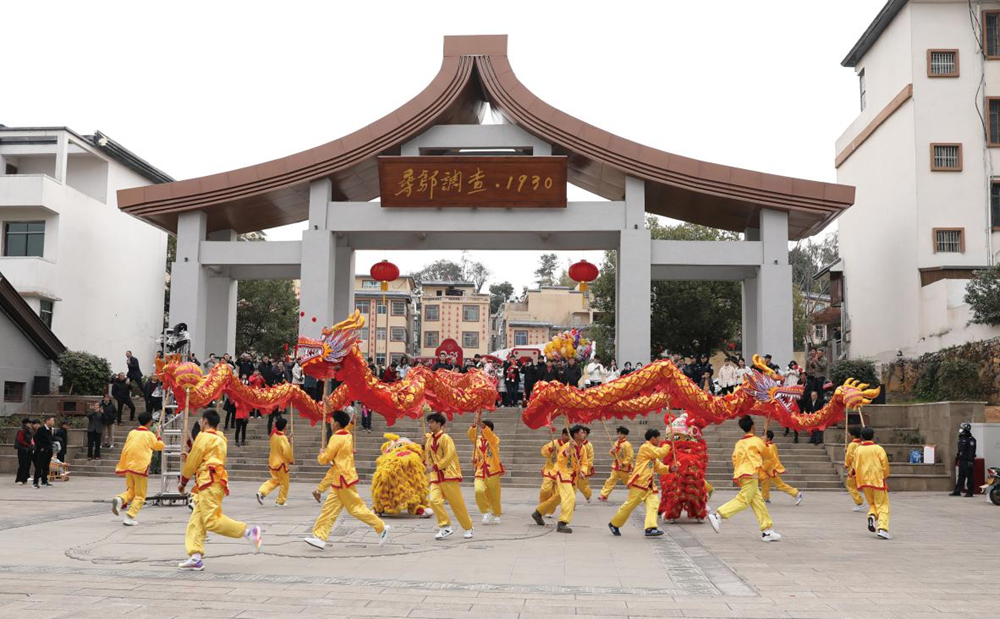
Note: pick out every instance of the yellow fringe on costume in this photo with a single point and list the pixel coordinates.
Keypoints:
(400, 480)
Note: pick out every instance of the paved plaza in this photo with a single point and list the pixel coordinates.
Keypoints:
(63, 554)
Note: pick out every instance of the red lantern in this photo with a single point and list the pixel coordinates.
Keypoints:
(384, 272)
(583, 272)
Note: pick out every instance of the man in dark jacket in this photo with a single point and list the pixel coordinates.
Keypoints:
(530, 372)
(43, 451)
(123, 395)
(95, 425)
(965, 459)
(245, 366)
(134, 374)
(572, 373)
(25, 450)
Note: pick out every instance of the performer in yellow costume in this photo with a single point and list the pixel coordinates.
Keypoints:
(134, 466)
(486, 461)
(871, 470)
(642, 485)
(339, 454)
(586, 467)
(206, 463)
(849, 482)
(278, 462)
(748, 461)
(549, 451)
(772, 473)
(400, 479)
(324, 484)
(445, 475)
(622, 454)
(566, 470)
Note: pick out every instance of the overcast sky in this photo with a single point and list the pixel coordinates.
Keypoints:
(202, 87)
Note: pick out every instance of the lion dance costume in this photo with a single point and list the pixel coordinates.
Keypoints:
(684, 489)
(400, 480)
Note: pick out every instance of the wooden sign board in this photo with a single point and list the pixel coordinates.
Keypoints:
(494, 182)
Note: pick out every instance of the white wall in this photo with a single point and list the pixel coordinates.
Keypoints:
(20, 361)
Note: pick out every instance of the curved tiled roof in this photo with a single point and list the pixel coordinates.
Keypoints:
(475, 71)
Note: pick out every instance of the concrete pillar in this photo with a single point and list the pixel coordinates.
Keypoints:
(774, 289)
(189, 280)
(750, 345)
(319, 259)
(343, 283)
(634, 279)
(62, 157)
(220, 332)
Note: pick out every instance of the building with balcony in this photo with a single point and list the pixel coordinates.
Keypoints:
(542, 313)
(390, 318)
(454, 310)
(94, 274)
(923, 154)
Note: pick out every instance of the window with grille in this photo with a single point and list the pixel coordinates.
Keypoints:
(24, 238)
(946, 157)
(993, 121)
(45, 312)
(432, 313)
(520, 338)
(380, 307)
(398, 334)
(398, 308)
(995, 203)
(942, 63)
(362, 306)
(431, 339)
(370, 283)
(13, 392)
(363, 333)
(949, 241)
(380, 359)
(470, 313)
(991, 33)
(380, 334)
(861, 85)
(470, 339)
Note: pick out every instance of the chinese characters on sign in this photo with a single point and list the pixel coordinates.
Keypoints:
(501, 182)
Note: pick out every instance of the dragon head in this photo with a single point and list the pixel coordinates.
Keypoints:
(856, 394)
(766, 385)
(320, 358)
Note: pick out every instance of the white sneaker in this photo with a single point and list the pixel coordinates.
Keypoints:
(427, 513)
(443, 532)
(769, 536)
(468, 534)
(260, 498)
(315, 542)
(129, 522)
(496, 520)
(716, 521)
(116, 505)
(192, 564)
(384, 536)
(883, 534)
(253, 536)
(858, 508)
(798, 498)
(487, 517)
(280, 504)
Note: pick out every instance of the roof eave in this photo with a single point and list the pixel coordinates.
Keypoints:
(873, 32)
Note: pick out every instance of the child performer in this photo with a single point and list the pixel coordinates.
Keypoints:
(586, 466)
(642, 484)
(134, 466)
(486, 461)
(747, 463)
(621, 469)
(849, 482)
(324, 484)
(549, 451)
(206, 463)
(772, 473)
(566, 469)
(339, 454)
(279, 461)
(871, 470)
(445, 474)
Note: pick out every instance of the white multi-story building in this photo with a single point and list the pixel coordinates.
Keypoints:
(94, 274)
(922, 154)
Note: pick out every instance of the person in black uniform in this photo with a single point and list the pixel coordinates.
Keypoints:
(43, 451)
(965, 458)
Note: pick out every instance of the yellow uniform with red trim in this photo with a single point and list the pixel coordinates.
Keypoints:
(871, 471)
(486, 461)
(621, 469)
(445, 475)
(339, 454)
(278, 462)
(548, 469)
(849, 482)
(133, 464)
(564, 475)
(642, 484)
(324, 484)
(748, 461)
(586, 470)
(772, 473)
(206, 463)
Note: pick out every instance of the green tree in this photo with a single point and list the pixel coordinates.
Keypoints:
(84, 373)
(983, 296)
(687, 317)
(500, 294)
(266, 316)
(545, 274)
(800, 320)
